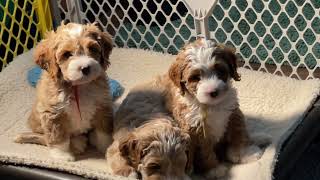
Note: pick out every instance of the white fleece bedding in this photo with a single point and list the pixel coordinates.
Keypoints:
(272, 104)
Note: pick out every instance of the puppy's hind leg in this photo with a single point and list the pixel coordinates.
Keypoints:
(236, 137)
(78, 144)
(207, 163)
(218, 172)
(100, 139)
(101, 136)
(254, 151)
(260, 139)
(62, 151)
(59, 140)
(32, 138)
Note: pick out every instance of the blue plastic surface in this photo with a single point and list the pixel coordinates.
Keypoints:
(35, 73)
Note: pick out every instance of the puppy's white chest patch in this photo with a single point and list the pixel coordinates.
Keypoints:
(217, 121)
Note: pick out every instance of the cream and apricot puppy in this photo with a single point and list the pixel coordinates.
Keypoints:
(73, 97)
(146, 143)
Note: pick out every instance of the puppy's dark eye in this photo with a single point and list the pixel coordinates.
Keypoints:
(221, 71)
(66, 55)
(94, 35)
(94, 49)
(194, 78)
(154, 166)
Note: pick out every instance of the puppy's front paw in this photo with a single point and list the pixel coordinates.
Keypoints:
(251, 153)
(133, 175)
(127, 172)
(62, 155)
(217, 172)
(101, 140)
(78, 144)
(234, 155)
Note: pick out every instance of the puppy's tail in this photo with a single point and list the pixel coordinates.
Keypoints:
(260, 139)
(31, 138)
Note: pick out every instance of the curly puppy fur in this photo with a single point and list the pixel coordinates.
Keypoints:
(197, 93)
(74, 58)
(203, 101)
(146, 142)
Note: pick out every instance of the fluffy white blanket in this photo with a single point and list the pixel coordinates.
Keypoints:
(272, 104)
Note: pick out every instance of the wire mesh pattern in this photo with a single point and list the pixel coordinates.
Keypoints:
(280, 37)
(139, 24)
(19, 28)
(276, 36)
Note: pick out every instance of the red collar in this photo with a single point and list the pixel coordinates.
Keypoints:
(76, 95)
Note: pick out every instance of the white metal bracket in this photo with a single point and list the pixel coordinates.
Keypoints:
(201, 10)
(74, 10)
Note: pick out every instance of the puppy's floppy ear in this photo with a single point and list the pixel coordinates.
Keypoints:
(44, 57)
(176, 72)
(105, 41)
(152, 145)
(127, 144)
(128, 148)
(229, 55)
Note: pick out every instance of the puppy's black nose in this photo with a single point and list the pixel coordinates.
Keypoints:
(85, 70)
(214, 94)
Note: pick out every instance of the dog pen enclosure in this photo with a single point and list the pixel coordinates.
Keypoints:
(279, 37)
(276, 36)
(23, 23)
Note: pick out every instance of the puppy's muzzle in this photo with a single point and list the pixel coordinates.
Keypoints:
(83, 69)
